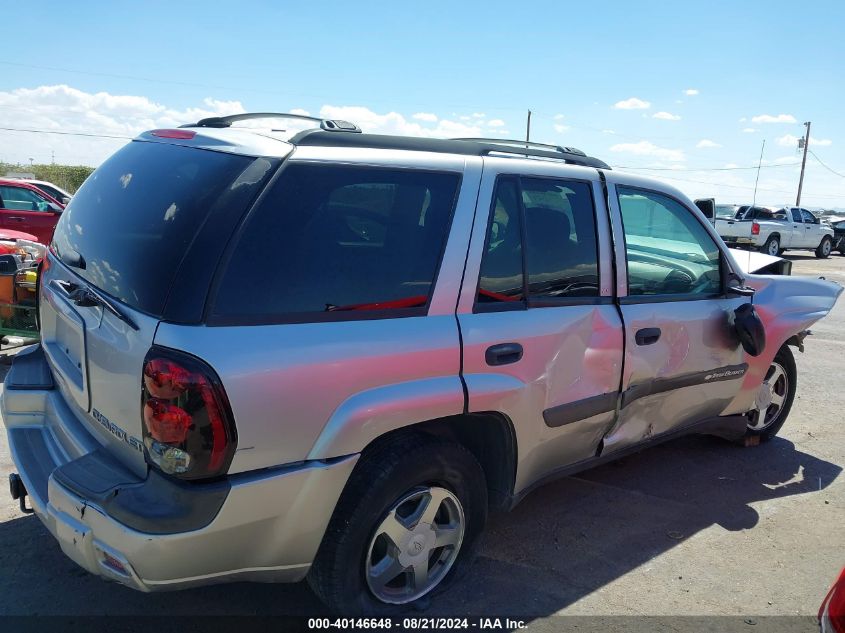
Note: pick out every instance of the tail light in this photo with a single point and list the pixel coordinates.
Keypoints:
(755, 228)
(188, 430)
(832, 612)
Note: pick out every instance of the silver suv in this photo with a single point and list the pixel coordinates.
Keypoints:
(329, 357)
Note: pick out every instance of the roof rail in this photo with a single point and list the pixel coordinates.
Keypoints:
(330, 125)
(526, 144)
(482, 147)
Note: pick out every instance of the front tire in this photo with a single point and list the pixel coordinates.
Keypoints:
(782, 380)
(823, 250)
(406, 525)
(771, 247)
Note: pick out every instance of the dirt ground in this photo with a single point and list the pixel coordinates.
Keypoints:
(696, 526)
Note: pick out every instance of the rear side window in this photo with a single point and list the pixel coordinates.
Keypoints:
(128, 227)
(334, 242)
(541, 241)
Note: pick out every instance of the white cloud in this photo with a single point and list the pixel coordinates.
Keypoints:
(608, 132)
(561, 128)
(748, 130)
(66, 109)
(558, 117)
(478, 115)
(792, 141)
(496, 123)
(632, 104)
(666, 116)
(645, 148)
(743, 120)
(706, 142)
(768, 118)
(691, 92)
(425, 116)
(395, 123)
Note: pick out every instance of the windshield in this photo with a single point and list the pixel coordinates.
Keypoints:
(127, 228)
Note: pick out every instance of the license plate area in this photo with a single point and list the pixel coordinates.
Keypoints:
(63, 336)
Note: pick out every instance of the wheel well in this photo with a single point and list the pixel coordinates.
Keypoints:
(489, 436)
(774, 234)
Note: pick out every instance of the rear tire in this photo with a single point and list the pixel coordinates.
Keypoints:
(381, 523)
(824, 248)
(771, 247)
(782, 377)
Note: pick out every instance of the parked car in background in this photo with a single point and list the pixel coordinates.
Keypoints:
(25, 207)
(772, 230)
(54, 191)
(331, 356)
(832, 611)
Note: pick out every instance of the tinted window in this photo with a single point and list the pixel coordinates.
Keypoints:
(20, 199)
(501, 276)
(127, 228)
(560, 242)
(809, 218)
(668, 250)
(796, 215)
(336, 239)
(560, 233)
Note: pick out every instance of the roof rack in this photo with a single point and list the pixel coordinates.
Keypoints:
(329, 125)
(524, 144)
(467, 147)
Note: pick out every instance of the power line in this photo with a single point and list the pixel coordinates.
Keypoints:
(707, 168)
(16, 129)
(831, 170)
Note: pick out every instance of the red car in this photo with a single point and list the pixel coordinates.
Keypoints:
(832, 611)
(24, 207)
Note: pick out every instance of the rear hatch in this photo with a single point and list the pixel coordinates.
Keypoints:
(115, 259)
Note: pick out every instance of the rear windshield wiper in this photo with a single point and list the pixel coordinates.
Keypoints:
(88, 297)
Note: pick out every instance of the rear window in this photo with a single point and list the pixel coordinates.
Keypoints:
(335, 242)
(128, 227)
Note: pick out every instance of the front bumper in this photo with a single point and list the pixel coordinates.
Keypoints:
(267, 528)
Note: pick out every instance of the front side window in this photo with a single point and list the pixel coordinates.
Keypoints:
(809, 218)
(541, 239)
(668, 251)
(20, 199)
(340, 242)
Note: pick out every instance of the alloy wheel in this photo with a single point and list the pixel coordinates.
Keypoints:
(769, 410)
(415, 545)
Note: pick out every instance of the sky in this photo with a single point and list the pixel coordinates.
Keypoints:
(685, 92)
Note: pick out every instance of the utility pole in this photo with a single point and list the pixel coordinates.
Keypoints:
(759, 165)
(803, 163)
(528, 129)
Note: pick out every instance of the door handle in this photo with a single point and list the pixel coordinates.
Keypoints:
(647, 336)
(15, 218)
(503, 354)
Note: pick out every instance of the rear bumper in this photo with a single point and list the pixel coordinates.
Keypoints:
(739, 241)
(267, 527)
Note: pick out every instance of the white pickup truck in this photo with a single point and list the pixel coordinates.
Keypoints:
(771, 230)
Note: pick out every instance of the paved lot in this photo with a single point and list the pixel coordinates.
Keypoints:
(696, 526)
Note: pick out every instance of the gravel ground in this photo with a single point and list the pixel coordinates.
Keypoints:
(696, 526)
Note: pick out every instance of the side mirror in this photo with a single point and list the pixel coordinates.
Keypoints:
(54, 207)
(65, 200)
(749, 329)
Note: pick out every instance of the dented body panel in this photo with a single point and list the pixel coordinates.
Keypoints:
(593, 379)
